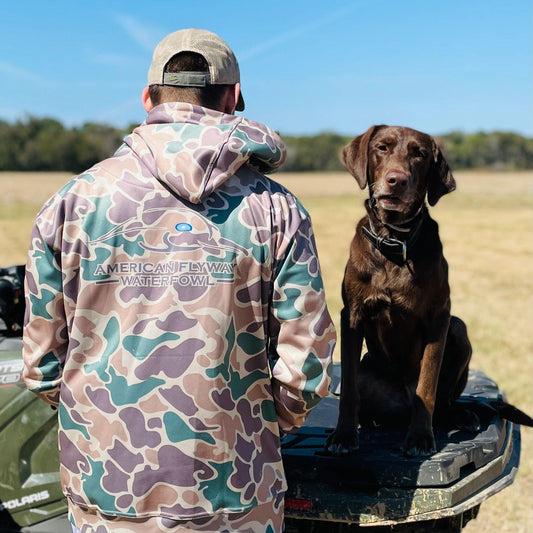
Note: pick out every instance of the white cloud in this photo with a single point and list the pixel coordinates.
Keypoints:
(293, 34)
(138, 31)
(23, 74)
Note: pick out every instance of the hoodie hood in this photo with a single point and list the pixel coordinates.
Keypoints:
(193, 150)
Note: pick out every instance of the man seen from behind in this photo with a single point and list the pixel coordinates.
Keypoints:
(176, 314)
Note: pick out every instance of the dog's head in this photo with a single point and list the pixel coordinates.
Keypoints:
(400, 166)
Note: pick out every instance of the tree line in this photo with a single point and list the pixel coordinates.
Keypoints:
(35, 144)
(495, 150)
(44, 144)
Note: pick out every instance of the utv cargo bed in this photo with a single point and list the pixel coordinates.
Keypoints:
(376, 487)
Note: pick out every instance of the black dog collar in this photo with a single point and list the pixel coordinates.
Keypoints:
(396, 250)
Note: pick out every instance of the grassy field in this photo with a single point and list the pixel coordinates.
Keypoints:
(487, 230)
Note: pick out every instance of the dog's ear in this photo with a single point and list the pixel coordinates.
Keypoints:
(441, 180)
(354, 156)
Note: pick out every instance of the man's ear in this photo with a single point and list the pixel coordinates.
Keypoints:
(230, 99)
(147, 102)
(237, 92)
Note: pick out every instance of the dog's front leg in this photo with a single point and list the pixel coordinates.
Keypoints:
(420, 440)
(345, 438)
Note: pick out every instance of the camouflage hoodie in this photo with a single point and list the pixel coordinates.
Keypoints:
(175, 312)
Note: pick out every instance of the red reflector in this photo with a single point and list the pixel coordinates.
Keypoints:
(300, 505)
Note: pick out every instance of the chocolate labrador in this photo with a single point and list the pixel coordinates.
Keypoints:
(397, 298)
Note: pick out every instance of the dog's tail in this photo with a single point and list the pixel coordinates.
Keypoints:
(511, 413)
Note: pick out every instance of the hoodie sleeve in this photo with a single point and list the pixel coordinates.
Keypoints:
(45, 339)
(301, 371)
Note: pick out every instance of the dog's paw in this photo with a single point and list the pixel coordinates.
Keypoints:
(419, 444)
(342, 443)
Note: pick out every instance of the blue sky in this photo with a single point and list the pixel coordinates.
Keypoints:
(306, 66)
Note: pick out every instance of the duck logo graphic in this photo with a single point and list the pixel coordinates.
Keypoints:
(179, 230)
(194, 233)
(166, 232)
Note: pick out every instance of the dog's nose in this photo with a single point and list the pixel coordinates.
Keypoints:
(396, 179)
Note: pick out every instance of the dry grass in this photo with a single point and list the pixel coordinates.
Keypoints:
(21, 196)
(487, 231)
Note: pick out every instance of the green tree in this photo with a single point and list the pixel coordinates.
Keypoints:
(94, 142)
(319, 152)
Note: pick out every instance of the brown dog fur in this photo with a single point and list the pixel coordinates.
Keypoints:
(418, 355)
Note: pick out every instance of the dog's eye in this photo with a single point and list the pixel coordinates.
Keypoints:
(382, 147)
(418, 152)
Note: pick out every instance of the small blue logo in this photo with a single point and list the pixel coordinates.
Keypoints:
(183, 226)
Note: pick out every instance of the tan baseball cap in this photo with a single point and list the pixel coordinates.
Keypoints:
(223, 66)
